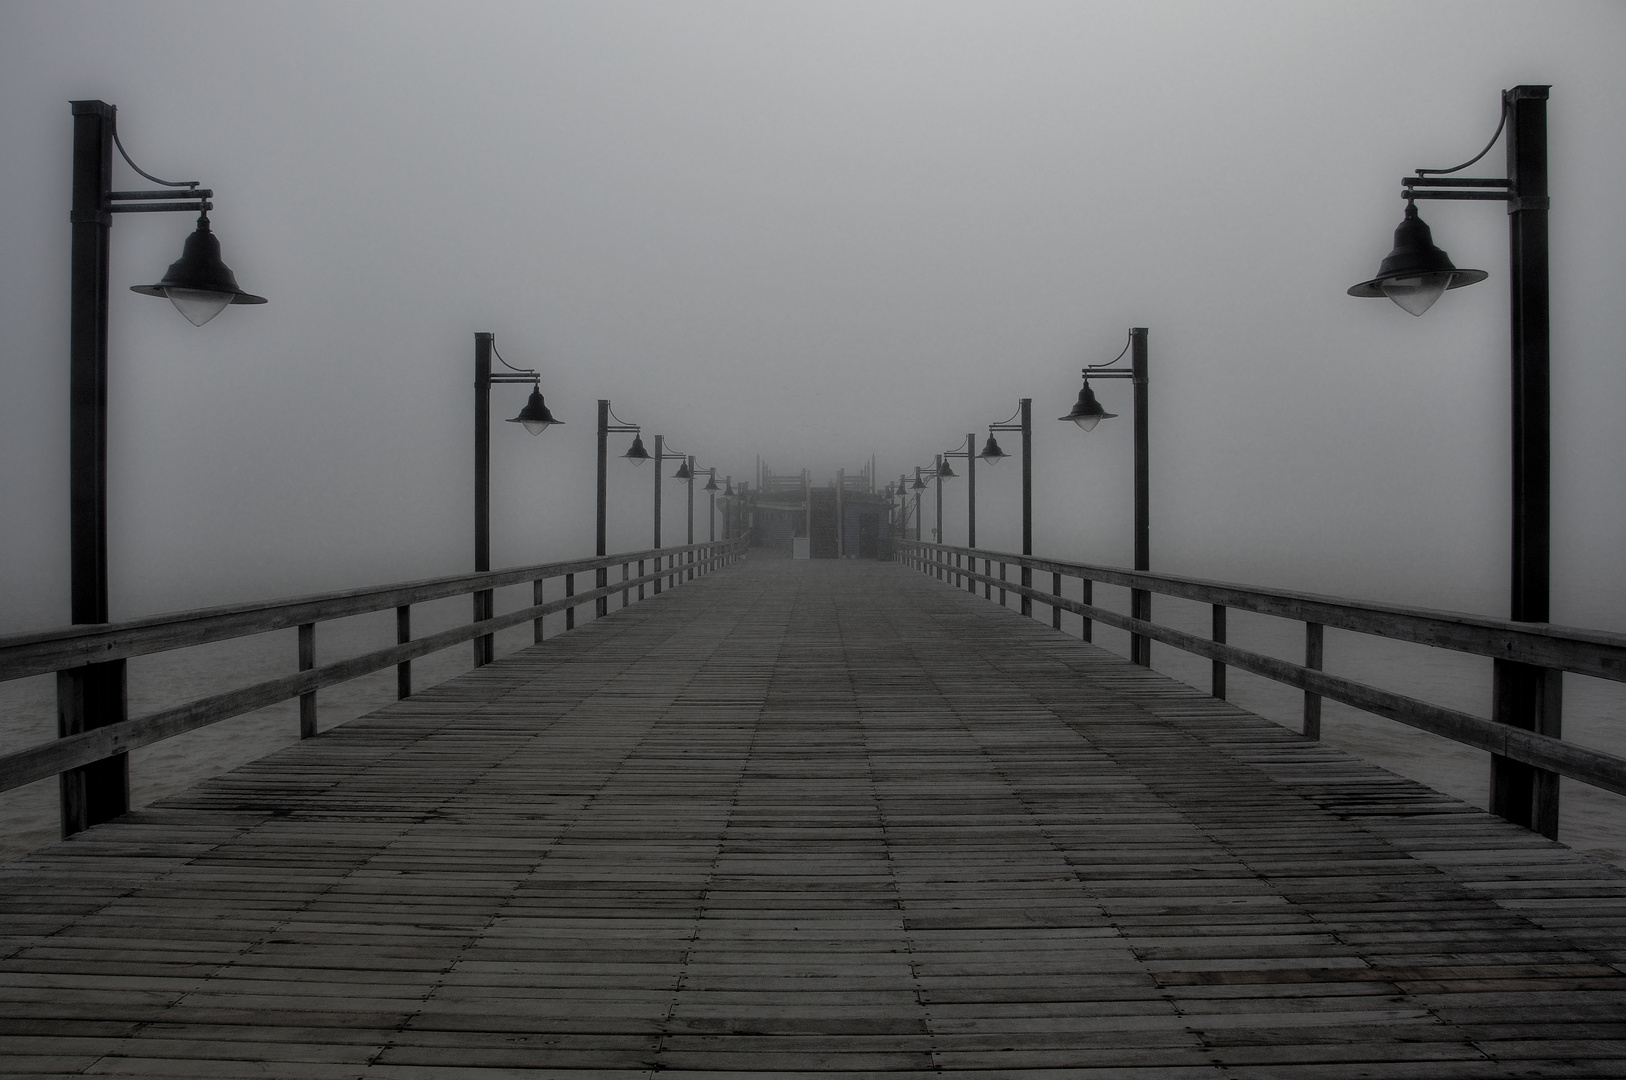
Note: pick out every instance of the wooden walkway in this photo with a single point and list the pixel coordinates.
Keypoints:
(807, 818)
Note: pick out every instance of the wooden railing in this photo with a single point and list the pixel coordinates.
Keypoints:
(1595, 653)
(74, 649)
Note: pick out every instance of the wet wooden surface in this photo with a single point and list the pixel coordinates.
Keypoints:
(811, 817)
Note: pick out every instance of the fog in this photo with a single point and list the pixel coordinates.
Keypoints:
(811, 232)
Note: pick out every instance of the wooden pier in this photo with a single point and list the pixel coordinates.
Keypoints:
(811, 817)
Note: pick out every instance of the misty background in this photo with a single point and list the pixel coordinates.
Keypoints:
(813, 232)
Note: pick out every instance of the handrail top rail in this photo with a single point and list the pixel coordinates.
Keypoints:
(1543, 644)
(39, 652)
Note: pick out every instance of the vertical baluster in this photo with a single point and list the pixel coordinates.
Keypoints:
(1218, 635)
(536, 623)
(624, 591)
(570, 612)
(307, 661)
(403, 634)
(1055, 610)
(987, 572)
(1312, 660)
(641, 579)
(1088, 596)
(1002, 578)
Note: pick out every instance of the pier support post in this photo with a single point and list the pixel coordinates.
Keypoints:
(1524, 696)
(92, 696)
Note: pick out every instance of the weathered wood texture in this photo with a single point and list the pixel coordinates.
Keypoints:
(811, 817)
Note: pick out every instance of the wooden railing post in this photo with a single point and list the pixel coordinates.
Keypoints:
(1217, 688)
(307, 700)
(1140, 646)
(570, 612)
(1088, 597)
(89, 697)
(1002, 578)
(1055, 610)
(640, 581)
(536, 623)
(987, 572)
(624, 592)
(403, 634)
(484, 608)
(1312, 660)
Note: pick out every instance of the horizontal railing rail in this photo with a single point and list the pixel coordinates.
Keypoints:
(1595, 653)
(66, 650)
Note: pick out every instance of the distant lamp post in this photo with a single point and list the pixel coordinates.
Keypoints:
(969, 452)
(1087, 412)
(711, 515)
(608, 422)
(1414, 275)
(536, 419)
(200, 286)
(1020, 421)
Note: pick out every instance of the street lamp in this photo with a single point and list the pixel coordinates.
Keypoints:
(535, 418)
(637, 455)
(970, 455)
(1021, 421)
(1087, 412)
(200, 286)
(1414, 275)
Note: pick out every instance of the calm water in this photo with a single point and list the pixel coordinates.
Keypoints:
(1594, 711)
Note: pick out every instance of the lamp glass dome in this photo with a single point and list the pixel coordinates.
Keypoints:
(535, 416)
(198, 283)
(636, 452)
(1415, 273)
(1087, 412)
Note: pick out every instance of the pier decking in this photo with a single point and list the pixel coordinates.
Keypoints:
(805, 817)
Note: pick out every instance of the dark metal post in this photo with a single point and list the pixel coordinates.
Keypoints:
(92, 696)
(660, 455)
(711, 509)
(601, 578)
(1525, 696)
(1140, 646)
(971, 503)
(690, 541)
(938, 532)
(1027, 499)
(482, 488)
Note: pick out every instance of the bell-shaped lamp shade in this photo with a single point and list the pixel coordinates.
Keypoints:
(1416, 273)
(198, 283)
(1087, 412)
(683, 472)
(636, 452)
(991, 453)
(945, 470)
(919, 484)
(728, 493)
(711, 485)
(535, 415)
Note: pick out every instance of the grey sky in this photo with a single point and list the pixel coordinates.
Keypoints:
(815, 232)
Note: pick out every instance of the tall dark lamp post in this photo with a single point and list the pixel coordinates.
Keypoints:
(1021, 421)
(608, 422)
(1087, 412)
(536, 419)
(200, 286)
(711, 516)
(1414, 275)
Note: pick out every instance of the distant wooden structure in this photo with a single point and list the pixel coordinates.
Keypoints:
(845, 519)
